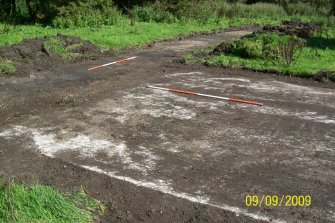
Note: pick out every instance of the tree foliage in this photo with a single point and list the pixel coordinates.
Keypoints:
(44, 11)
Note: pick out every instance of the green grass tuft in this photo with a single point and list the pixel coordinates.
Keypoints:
(36, 203)
(6, 68)
(56, 47)
(80, 199)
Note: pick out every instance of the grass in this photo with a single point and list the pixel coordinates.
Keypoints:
(315, 57)
(36, 204)
(56, 47)
(307, 65)
(6, 68)
(121, 36)
(115, 37)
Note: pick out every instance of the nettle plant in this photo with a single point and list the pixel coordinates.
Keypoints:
(283, 48)
(290, 48)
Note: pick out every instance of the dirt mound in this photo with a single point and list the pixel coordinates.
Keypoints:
(224, 47)
(32, 55)
(300, 29)
(326, 76)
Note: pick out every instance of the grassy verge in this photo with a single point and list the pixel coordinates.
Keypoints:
(116, 37)
(272, 53)
(122, 35)
(6, 68)
(37, 203)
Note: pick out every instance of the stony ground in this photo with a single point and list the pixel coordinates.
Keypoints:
(155, 156)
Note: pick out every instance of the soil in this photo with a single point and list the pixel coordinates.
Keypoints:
(156, 156)
(31, 55)
(302, 30)
(299, 29)
(222, 48)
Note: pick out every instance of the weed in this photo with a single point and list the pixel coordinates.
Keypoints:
(80, 198)
(289, 47)
(90, 13)
(6, 68)
(55, 46)
(154, 13)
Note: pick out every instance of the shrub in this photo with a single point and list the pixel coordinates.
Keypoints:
(89, 13)
(156, 12)
(201, 11)
(301, 9)
(6, 67)
(145, 13)
(257, 10)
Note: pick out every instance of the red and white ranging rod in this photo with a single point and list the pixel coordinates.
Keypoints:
(107, 64)
(207, 95)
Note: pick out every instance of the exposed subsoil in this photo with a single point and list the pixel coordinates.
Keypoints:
(153, 156)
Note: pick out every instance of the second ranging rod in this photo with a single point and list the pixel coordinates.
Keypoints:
(207, 95)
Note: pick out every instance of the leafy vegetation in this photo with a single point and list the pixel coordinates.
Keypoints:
(6, 68)
(275, 52)
(121, 35)
(90, 13)
(56, 47)
(37, 203)
(46, 11)
(107, 24)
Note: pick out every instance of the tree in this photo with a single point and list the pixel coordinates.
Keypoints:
(8, 9)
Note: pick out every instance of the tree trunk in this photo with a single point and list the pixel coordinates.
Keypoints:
(30, 11)
(13, 9)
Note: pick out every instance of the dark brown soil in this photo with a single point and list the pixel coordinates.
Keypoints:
(284, 149)
(222, 48)
(299, 29)
(31, 55)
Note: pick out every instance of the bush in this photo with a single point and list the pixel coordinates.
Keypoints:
(157, 12)
(301, 9)
(257, 10)
(201, 11)
(89, 13)
(6, 68)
